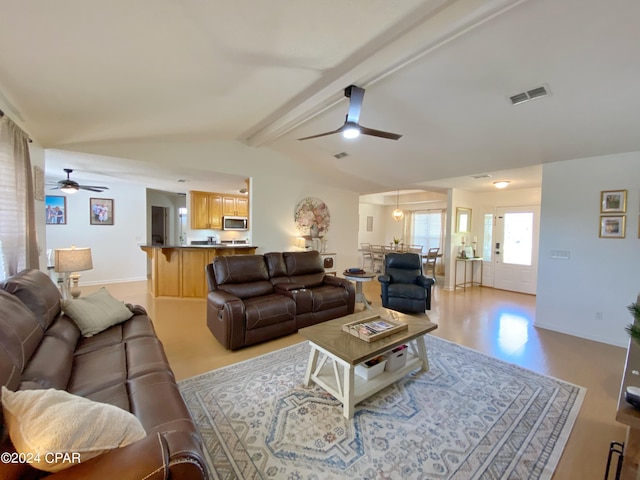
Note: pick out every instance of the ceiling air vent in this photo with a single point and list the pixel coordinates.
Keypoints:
(482, 175)
(538, 92)
(519, 98)
(341, 155)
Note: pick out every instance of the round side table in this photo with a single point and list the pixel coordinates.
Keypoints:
(359, 279)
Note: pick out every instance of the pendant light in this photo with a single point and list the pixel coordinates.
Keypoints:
(397, 213)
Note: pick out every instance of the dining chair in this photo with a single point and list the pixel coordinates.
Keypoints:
(377, 255)
(415, 249)
(367, 255)
(430, 261)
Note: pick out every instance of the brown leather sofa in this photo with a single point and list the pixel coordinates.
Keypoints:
(125, 365)
(254, 298)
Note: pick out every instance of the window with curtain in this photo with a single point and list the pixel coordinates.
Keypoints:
(427, 229)
(18, 246)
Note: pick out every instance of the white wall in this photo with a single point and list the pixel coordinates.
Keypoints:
(377, 236)
(277, 185)
(587, 295)
(114, 249)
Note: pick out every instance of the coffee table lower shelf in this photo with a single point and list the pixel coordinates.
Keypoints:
(338, 377)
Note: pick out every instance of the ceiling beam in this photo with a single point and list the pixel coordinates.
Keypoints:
(444, 23)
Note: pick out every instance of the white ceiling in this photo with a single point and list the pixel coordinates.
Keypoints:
(266, 73)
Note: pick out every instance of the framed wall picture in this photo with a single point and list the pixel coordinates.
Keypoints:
(613, 201)
(463, 220)
(55, 210)
(101, 211)
(369, 224)
(612, 226)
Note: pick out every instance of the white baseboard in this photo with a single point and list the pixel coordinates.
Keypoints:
(610, 341)
(119, 280)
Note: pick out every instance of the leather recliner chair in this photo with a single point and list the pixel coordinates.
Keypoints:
(404, 287)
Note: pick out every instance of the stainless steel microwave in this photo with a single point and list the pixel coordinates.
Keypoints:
(235, 223)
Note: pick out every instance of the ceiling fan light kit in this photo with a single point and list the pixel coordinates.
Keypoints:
(352, 131)
(351, 127)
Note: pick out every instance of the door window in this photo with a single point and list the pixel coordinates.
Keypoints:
(518, 238)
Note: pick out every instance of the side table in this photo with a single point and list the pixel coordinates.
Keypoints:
(359, 279)
(466, 262)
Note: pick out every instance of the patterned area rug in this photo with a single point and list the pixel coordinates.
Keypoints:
(469, 417)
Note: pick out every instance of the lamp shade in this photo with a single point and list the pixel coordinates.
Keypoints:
(73, 259)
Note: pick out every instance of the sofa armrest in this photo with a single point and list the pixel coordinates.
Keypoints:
(384, 278)
(340, 282)
(424, 281)
(219, 298)
(287, 287)
(337, 281)
(225, 319)
(152, 458)
(136, 309)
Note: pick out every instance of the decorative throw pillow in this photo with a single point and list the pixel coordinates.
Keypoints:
(56, 429)
(96, 312)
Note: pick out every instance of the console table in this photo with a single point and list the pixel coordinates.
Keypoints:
(466, 261)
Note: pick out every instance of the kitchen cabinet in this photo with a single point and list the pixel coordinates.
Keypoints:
(206, 210)
(179, 271)
(235, 206)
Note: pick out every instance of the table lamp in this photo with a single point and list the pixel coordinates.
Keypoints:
(70, 261)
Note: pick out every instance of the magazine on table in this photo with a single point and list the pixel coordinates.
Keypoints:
(374, 327)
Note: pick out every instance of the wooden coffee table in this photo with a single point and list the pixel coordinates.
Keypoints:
(335, 353)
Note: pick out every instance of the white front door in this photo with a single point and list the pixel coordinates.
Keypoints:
(516, 248)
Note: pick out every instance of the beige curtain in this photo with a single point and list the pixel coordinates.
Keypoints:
(408, 227)
(18, 242)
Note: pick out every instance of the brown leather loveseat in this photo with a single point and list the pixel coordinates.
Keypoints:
(124, 365)
(254, 298)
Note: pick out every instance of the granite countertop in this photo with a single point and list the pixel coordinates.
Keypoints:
(218, 246)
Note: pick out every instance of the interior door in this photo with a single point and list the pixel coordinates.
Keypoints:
(516, 248)
(158, 225)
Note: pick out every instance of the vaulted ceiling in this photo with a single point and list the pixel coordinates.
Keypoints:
(269, 72)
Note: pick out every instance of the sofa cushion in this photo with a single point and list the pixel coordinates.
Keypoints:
(96, 312)
(45, 421)
(404, 290)
(239, 269)
(138, 326)
(243, 276)
(276, 267)
(36, 290)
(50, 366)
(268, 310)
(328, 297)
(303, 263)
(21, 335)
(98, 369)
(304, 268)
(249, 289)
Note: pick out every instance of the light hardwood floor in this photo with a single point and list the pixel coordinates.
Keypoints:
(495, 322)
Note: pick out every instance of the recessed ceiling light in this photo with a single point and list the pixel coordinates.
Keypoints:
(501, 184)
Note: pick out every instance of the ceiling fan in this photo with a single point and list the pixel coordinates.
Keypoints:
(70, 186)
(351, 127)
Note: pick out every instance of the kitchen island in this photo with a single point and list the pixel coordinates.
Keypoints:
(179, 271)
